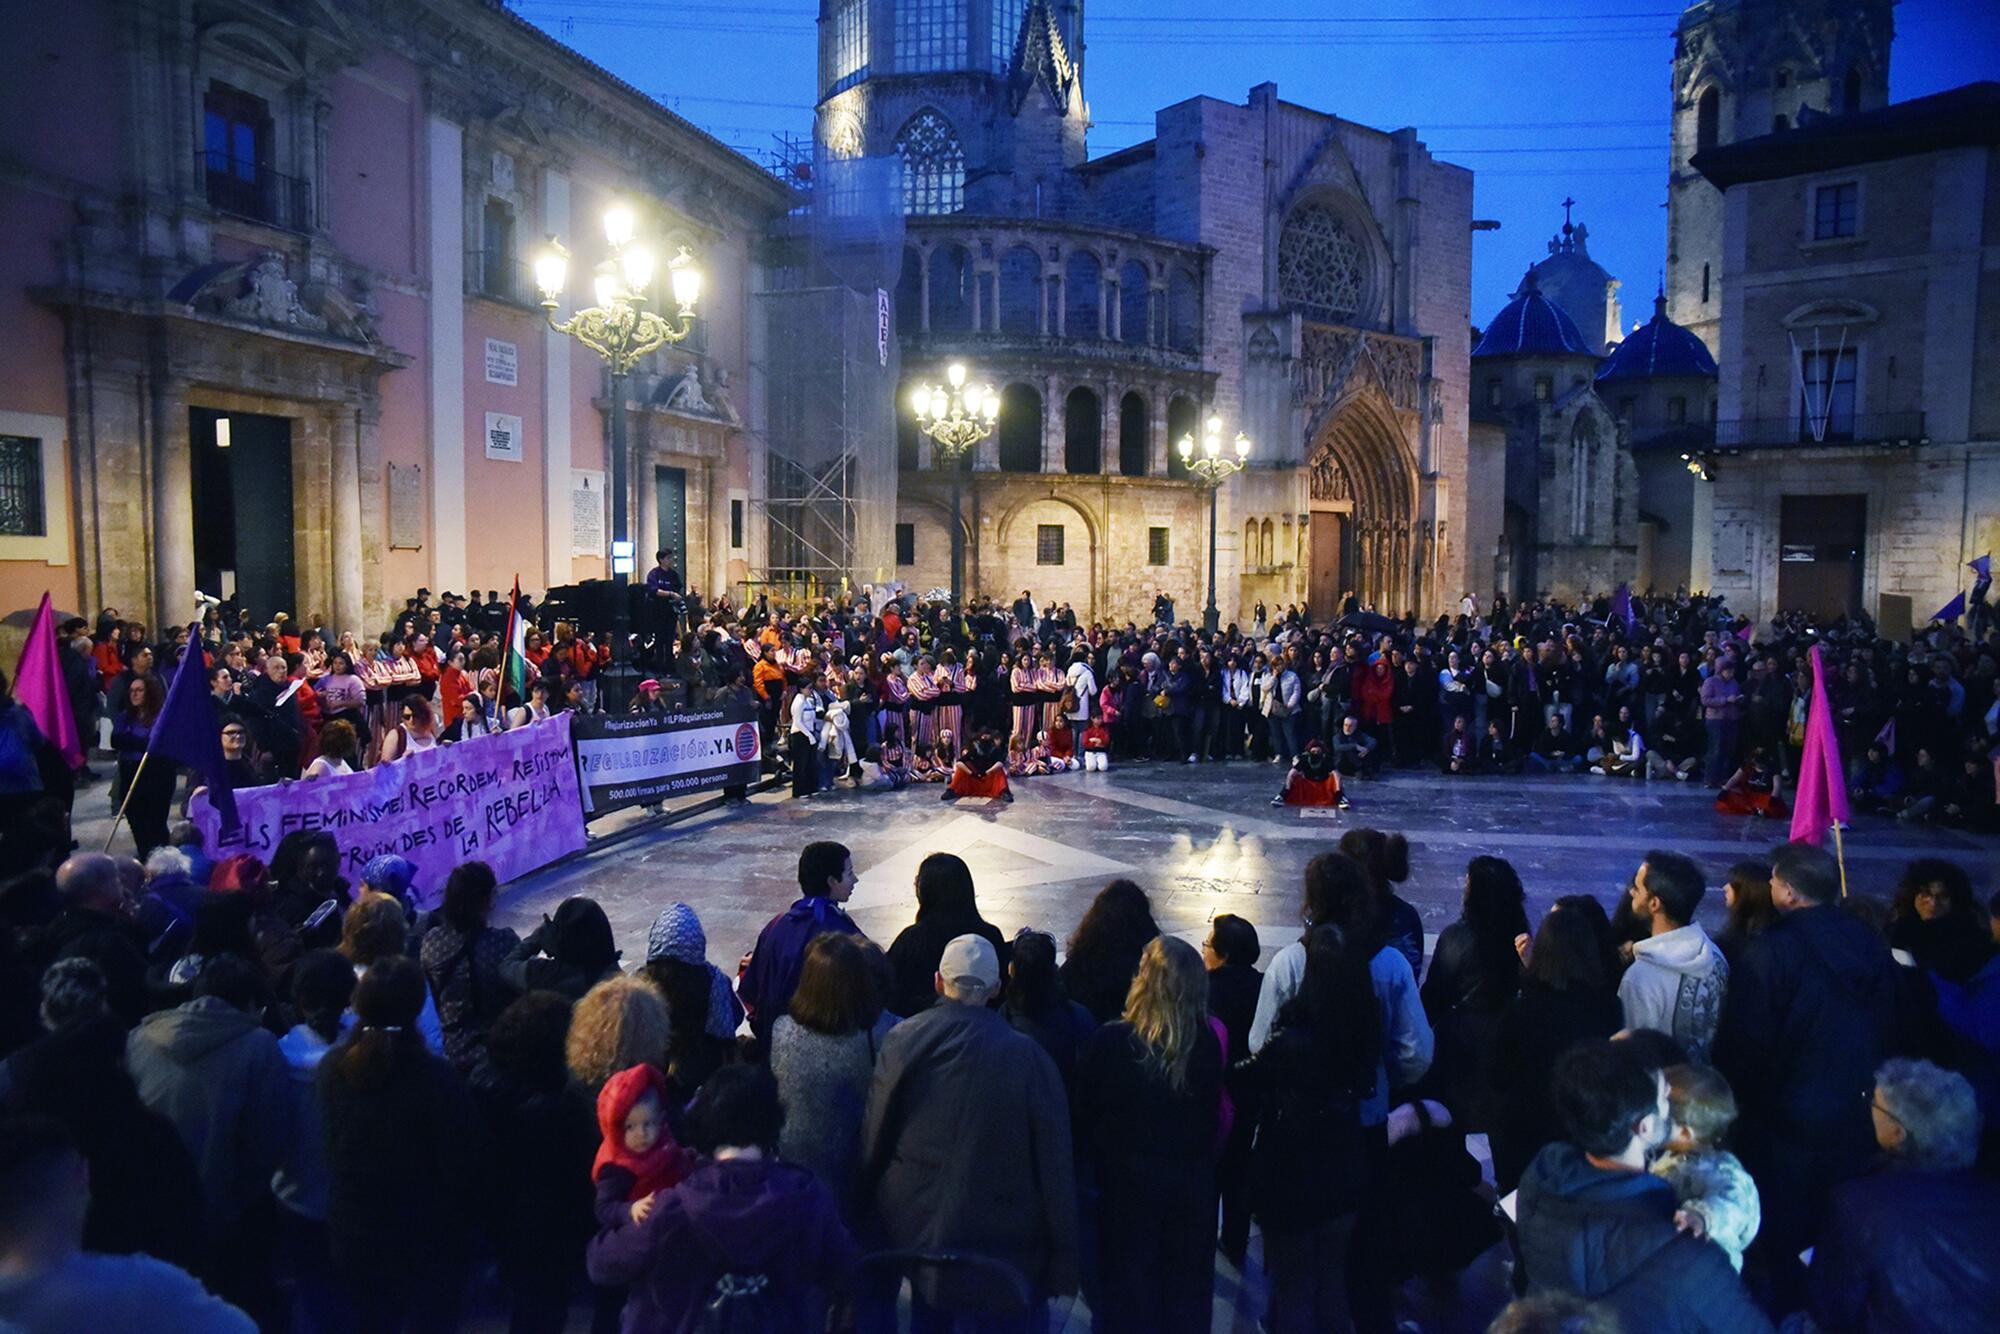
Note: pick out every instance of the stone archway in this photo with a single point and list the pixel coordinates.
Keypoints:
(1356, 453)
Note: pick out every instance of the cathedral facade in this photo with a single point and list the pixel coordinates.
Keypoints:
(1302, 277)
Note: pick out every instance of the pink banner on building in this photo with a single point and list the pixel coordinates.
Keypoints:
(509, 800)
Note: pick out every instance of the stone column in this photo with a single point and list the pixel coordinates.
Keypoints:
(173, 509)
(348, 600)
(1113, 322)
(924, 286)
(1054, 424)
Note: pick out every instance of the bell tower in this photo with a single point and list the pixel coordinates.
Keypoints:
(1744, 68)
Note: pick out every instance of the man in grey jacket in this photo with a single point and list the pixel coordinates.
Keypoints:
(212, 1070)
(966, 1145)
(1678, 977)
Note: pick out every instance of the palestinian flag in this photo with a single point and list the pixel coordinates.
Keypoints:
(514, 651)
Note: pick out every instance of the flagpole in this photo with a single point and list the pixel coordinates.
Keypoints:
(1840, 855)
(130, 788)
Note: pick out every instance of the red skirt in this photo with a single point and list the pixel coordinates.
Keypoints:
(992, 783)
(1303, 791)
(1743, 801)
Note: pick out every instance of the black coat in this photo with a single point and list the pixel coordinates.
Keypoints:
(1609, 1236)
(1232, 998)
(1309, 1162)
(913, 958)
(1537, 1026)
(1908, 1250)
(542, 1217)
(1148, 1141)
(1811, 1012)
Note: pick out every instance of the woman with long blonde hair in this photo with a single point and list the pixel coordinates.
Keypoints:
(1150, 1119)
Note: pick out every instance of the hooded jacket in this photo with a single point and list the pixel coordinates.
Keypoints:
(1609, 1236)
(738, 1216)
(623, 1176)
(220, 1078)
(1676, 985)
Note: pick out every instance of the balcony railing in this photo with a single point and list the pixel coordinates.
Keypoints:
(987, 343)
(500, 275)
(252, 190)
(1870, 428)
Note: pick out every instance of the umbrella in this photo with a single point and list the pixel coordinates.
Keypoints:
(1369, 623)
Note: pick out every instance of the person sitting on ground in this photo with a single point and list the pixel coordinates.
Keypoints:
(771, 973)
(1461, 747)
(1627, 756)
(1557, 750)
(1678, 977)
(50, 1282)
(1753, 789)
(980, 772)
(1718, 1200)
(1496, 755)
(1594, 1222)
(1354, 749)
(1312, 780)
(744, 1233)
(1097, 746)
(1911, 1246)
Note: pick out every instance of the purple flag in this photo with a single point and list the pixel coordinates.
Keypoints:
(38, 684)
(1951, 610)
(1983, 567)
(1821, 799)
(187, 732)
(1744, 633)
(1621, 607)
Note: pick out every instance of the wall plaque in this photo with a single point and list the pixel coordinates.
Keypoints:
(406, 507)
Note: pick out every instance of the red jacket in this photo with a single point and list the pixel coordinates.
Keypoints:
(1373, 693)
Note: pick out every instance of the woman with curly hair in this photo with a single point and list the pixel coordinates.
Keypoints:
(1104, 952)
(621, 1022)
(1150, 1117)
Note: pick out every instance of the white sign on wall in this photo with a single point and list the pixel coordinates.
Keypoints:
(503, 362)
(503, 437)
(586, 512)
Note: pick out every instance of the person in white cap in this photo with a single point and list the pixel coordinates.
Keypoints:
(960, 1102)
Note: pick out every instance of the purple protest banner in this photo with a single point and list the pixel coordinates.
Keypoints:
(509, 799)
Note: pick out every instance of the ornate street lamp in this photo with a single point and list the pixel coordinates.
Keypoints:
(621, 330)
(1211, 469)
(956, 419)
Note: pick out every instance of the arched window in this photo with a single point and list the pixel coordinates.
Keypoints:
(933, 164)
(1264, 545)
(910, 293)
(1320, 264)
(1134, 300)
(1708, 120)
(1083, 432)
(1135, 444)
(1183, 312)
(1020, 429)
(1583, 458)
(951, 289)
(1850, 91)
(1020, 292)
(1081, 276)
(1181, 416)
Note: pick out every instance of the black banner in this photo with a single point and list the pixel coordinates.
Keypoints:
(643, 758)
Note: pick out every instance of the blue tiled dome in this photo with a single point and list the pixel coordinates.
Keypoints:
(1659, 347)
(1532, 325)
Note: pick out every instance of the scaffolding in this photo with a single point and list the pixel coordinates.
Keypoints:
(828, 362)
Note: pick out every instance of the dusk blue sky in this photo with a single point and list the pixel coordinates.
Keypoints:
(1541, 98)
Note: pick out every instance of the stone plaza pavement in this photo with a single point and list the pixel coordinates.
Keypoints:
(1201, 840)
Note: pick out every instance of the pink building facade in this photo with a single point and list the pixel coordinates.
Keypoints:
(265, 274)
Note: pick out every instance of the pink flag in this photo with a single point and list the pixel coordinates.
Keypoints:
(38, 684)
(1821, 799)
(1744, 634)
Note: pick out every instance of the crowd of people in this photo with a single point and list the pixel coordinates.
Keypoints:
(880, 688)
(320, 1109)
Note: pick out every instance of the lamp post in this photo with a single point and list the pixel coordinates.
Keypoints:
(1211, 469)
(621, 330)
(956, 419)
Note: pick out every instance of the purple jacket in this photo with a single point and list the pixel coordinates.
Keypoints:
(737, 1217)
(773, 974)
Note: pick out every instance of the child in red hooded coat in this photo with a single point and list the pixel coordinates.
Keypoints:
(639, 1157)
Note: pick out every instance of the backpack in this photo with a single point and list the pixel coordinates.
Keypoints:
(743, 1304)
